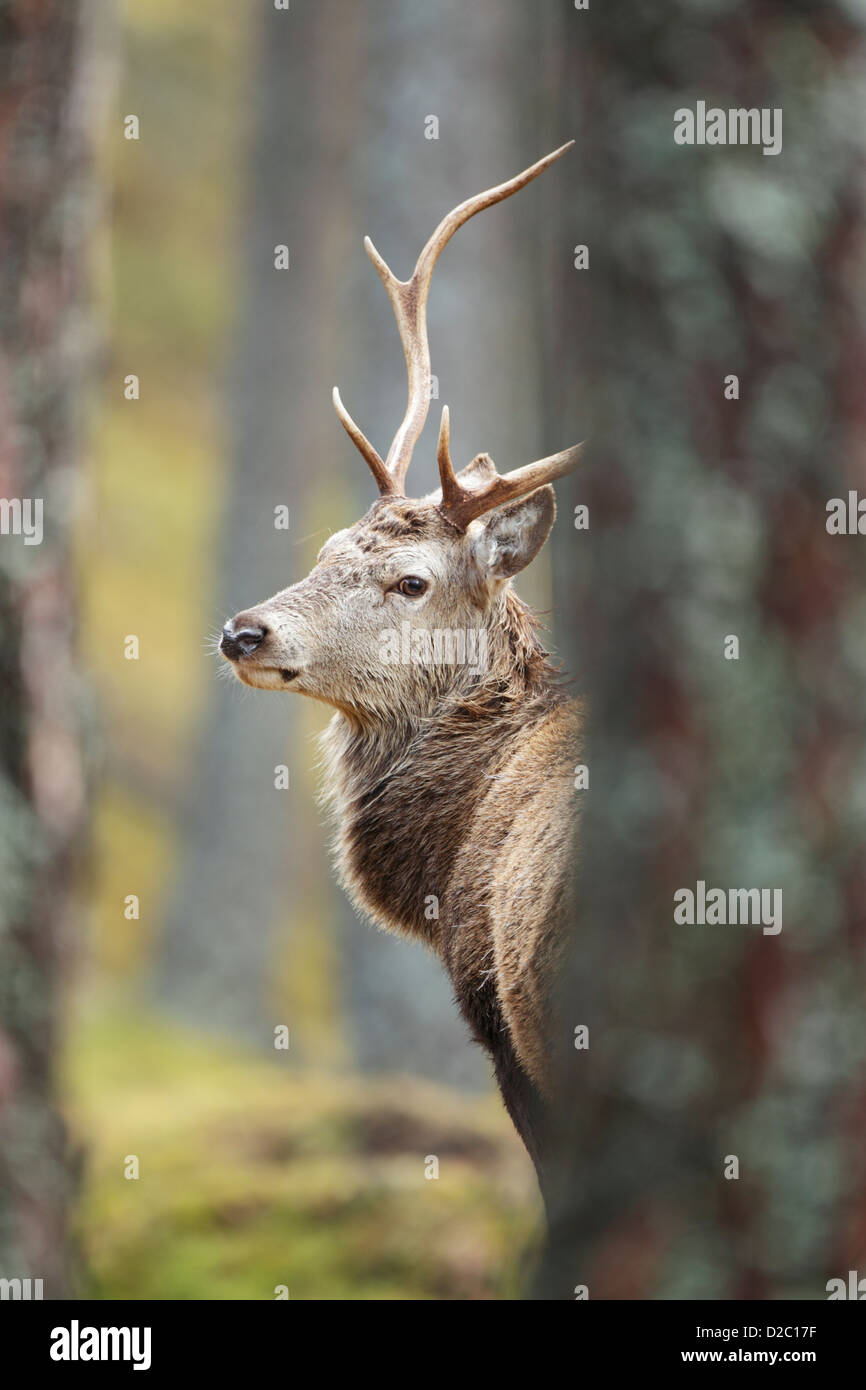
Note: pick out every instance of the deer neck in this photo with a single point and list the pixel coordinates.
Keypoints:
(404, 796)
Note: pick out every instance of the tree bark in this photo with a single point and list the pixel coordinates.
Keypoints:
(714, 1043)
(45, 212)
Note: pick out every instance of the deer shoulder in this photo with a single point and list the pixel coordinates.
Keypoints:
(509, 891)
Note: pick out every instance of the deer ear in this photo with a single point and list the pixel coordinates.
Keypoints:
(480, 471)
(513, 535)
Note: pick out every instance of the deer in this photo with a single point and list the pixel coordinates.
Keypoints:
(450, 783)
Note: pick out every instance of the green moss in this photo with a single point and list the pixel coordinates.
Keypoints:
(254, 1175)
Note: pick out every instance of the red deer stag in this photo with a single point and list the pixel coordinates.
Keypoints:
(450, 780)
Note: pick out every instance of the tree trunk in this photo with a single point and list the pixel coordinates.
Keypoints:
(714, 1050)
(44, 216)
(252, 863)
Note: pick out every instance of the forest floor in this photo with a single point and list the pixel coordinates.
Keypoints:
(253, 1176)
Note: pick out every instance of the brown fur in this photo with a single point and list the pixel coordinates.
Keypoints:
(474, 808)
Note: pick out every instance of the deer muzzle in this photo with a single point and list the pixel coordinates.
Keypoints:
(259, 655)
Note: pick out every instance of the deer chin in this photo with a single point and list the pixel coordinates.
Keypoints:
(265, 677)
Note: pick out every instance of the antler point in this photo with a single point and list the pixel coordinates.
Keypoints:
(409, 301)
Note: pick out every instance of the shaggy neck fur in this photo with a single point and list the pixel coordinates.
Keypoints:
(404, 790)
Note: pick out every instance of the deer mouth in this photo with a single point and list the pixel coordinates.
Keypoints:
(264, 677)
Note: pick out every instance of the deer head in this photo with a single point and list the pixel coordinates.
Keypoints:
(359, 632)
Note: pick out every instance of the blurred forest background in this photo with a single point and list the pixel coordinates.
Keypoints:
(163, 907)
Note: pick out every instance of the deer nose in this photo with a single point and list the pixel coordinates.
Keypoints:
(241, 641)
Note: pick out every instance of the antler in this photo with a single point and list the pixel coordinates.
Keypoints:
(409, 302)
(461, 505)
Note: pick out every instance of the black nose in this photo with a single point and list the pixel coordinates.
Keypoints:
(241, 642)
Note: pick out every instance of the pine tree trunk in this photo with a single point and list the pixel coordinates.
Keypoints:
(715, 1049)
(44, 215)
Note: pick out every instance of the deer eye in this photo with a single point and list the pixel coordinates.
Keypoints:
(412, 586)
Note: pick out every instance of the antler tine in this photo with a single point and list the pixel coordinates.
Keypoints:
(363, 445)
(460, 506)
(451, 490)
(409, 302)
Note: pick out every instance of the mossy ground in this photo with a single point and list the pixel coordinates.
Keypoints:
(254, 1175)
